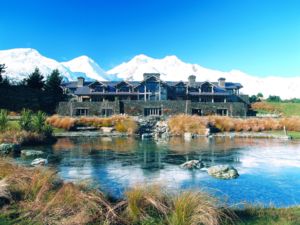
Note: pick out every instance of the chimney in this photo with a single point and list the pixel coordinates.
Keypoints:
(147, 75)
(80, 81)
(192, 81)
(221, 82)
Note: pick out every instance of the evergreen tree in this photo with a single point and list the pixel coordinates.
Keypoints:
(53, 89)
(53, 82)
(35, 80)
(2, 71)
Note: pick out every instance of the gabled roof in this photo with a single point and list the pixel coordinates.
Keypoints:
(123, 82)
(97, 82)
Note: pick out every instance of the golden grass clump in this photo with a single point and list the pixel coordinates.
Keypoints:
(195, 124)
(290, 123)
(119, 122)
(194, 207)
(44, 199)
(66, 122)
(182, 123)
(21, 137)
(146, 201)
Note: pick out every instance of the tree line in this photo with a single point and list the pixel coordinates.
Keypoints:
(271, 98)
(35, 92)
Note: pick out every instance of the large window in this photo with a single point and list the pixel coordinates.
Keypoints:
(152, 111)
(82, 111)
(222, 112)
(106, 112)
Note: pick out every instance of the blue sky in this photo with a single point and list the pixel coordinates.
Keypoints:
(260, 37)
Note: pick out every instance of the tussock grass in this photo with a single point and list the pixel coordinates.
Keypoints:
(195, 124)
(182, 123)
(43, 198)
(119, 122)
(193, 208)
(144, 202)
(22, 137)
(39, 196)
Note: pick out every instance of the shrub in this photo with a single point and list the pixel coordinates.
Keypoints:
(38, 121)
(3, 119)
(146, 201)
(193, 208)
(25, 120)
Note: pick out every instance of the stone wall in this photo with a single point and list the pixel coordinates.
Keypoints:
(94, 108)
(136, 108)
(233, 108)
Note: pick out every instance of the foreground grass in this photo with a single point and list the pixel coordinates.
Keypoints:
(269, 216)
(38, 196)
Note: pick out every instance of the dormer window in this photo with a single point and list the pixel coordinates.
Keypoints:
(207, 88)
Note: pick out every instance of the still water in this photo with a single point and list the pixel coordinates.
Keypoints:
(269, 169)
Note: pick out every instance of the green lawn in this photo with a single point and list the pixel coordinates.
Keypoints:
(293, 134)
(269, 216)
(287, 109)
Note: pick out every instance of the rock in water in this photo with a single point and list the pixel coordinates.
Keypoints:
(192, 164)
(39, 162)
(223, 172)
(8, 148)
(31, 153)
(187, 136)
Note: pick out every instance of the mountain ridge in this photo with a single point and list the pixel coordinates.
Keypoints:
(170, 67)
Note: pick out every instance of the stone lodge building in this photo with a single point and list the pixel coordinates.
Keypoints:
(152, 96)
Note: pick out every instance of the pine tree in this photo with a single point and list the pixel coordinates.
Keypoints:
(53, 82)
(35, 80)
(2, 71)
(53, 89)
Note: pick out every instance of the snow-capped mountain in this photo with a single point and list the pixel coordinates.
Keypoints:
(89, 67)
(22, 61)
(171, 68)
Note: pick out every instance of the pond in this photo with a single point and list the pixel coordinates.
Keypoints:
(269, 169)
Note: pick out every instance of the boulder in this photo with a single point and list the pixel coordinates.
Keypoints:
(31, 153)
(5, 196)
(223, 172)
(107, 129)
(8, 148)
(39, 162)
(188, 136)
(192, 164)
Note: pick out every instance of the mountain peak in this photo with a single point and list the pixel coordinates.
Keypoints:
(142, 58)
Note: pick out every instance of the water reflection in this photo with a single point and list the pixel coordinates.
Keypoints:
(269, 169)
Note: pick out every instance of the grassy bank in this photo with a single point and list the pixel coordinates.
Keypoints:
(268, 216)
(38, 196)
(285, 109)
(124, 124)
(30, 129)
(180, 124)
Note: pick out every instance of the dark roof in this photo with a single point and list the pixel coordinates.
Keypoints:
(112, 84)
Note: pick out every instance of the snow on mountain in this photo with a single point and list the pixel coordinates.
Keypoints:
(173, 69)
(86, 65)
(22, 61)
